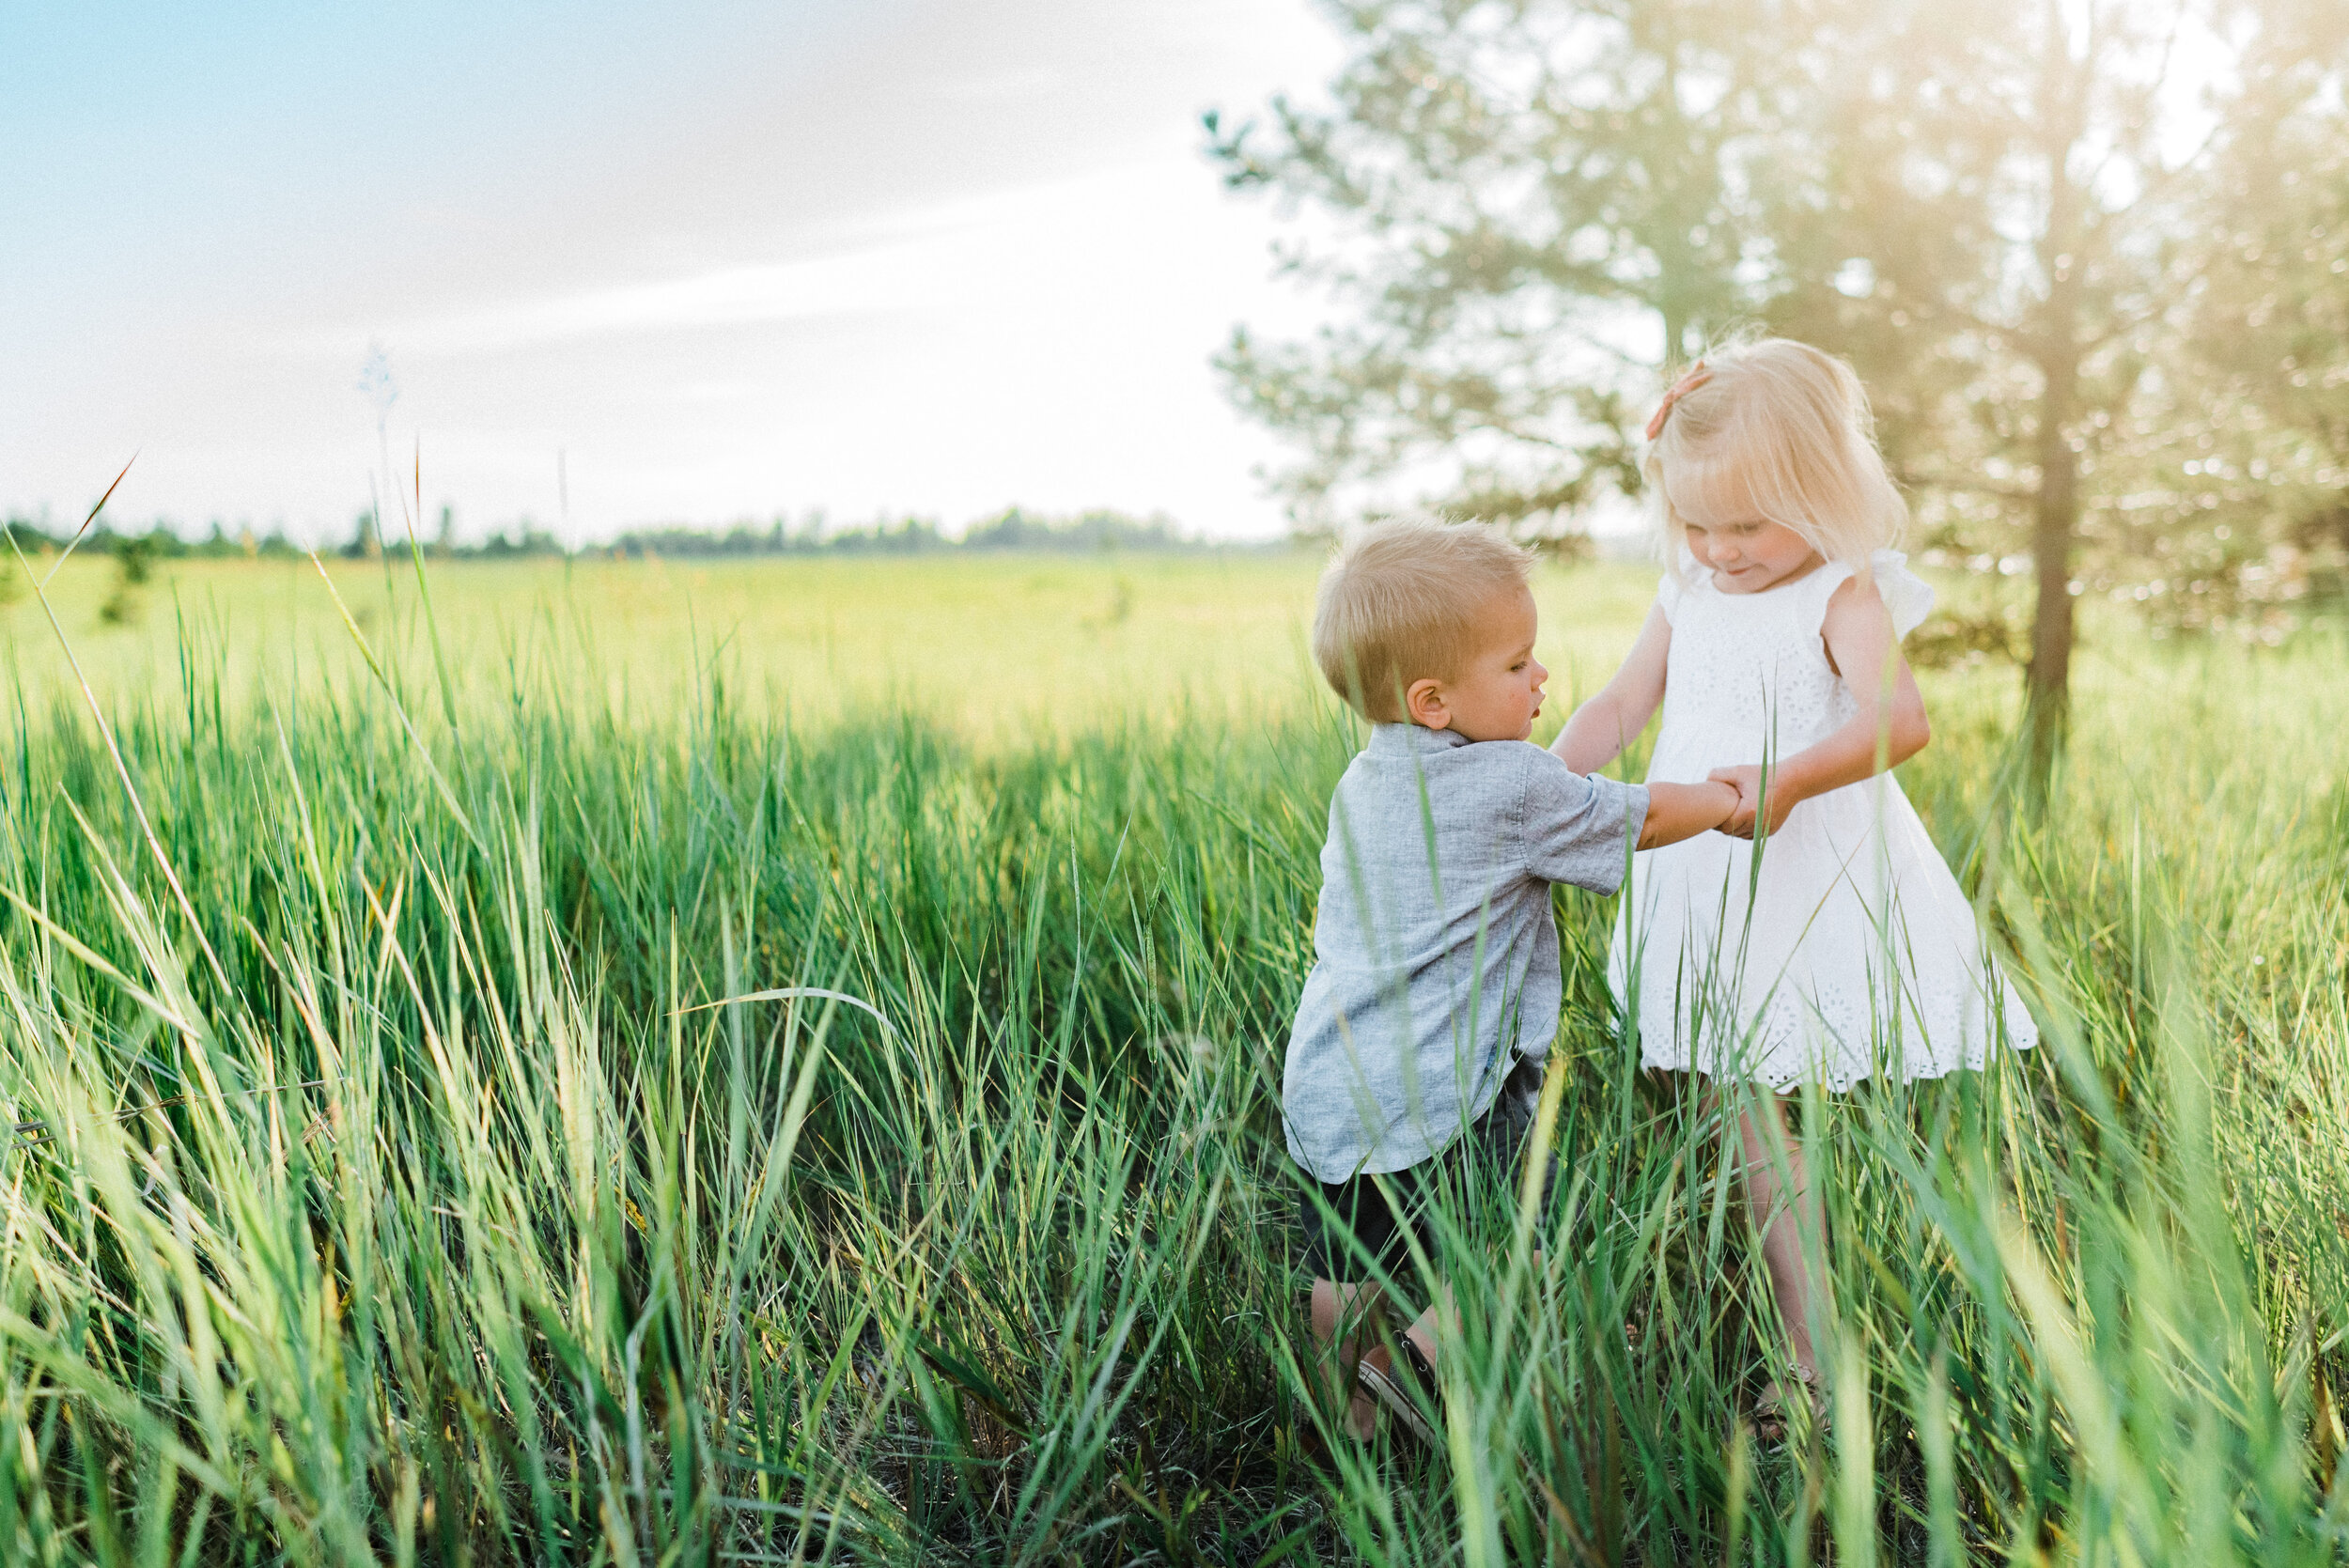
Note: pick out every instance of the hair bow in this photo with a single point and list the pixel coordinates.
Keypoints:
(1696, 377)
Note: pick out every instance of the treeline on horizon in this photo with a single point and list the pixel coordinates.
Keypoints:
(1013, 529)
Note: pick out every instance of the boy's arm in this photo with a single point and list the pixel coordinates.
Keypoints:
(1603, 726)
(1677, 811)
(1575, 824)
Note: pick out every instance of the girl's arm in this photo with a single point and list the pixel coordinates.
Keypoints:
(1887, 729)
(1602, 727)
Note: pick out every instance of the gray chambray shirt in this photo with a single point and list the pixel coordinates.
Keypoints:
(1435, 959)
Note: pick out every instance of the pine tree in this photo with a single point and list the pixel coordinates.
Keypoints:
(1533, 208)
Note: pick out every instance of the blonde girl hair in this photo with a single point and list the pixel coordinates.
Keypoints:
(1403, 600)
(1778, 429)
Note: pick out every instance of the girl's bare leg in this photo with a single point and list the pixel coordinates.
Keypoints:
(1788, 1217)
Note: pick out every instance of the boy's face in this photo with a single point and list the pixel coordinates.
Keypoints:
(1497, 694)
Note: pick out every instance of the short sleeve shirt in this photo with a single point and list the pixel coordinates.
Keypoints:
(1436, 955)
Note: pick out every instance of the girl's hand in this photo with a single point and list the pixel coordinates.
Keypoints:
(1747, 781)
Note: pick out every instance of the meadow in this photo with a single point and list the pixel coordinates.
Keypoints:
(1001, 648)
(385, 1185)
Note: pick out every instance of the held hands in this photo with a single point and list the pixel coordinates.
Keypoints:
(1747, 781)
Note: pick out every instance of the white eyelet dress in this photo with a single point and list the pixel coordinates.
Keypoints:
(1850, 952)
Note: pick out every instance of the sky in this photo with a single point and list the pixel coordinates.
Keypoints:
(632, 265)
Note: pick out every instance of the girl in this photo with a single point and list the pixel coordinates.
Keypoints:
(1774, 649)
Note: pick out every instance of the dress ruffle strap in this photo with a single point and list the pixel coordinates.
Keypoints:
(1909, 597)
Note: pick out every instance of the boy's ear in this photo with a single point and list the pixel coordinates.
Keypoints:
(1424, 705)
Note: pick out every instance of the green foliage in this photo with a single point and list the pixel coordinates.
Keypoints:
(2011, 218)
(1510, 185)
(2067, 246)
(376, 1195)
(2258, 430)
(133, 557)
(159, 542)
(1013, 529)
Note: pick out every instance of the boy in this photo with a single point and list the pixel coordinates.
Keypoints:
(1436, 984)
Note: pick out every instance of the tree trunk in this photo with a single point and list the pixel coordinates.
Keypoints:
(2055, 512)
(2055, 515)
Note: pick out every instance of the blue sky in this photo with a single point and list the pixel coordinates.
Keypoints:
(728, 259)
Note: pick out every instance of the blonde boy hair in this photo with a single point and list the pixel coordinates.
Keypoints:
(1780, 430)
(1399, 602)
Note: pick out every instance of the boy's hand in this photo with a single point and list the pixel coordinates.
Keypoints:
(1746, 780)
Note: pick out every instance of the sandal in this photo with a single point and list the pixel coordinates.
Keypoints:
(1770, 1410)
(1407, 1395)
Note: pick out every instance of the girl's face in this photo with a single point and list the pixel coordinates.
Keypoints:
(1746, 552)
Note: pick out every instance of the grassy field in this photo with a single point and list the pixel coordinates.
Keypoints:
(376, 1194)
(1001, 647)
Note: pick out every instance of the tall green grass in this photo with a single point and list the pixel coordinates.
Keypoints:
(395, 1193)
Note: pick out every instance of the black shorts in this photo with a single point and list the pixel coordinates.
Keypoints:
(1360, 1221)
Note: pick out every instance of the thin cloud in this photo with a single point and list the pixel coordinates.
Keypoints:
(924, 264)
(883, 279)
